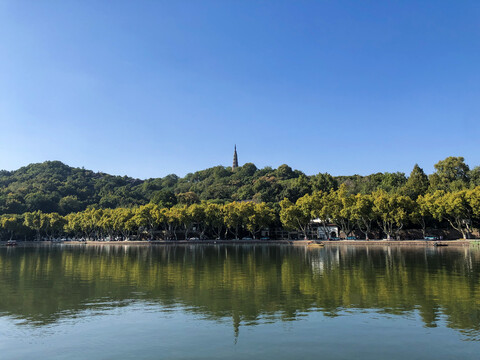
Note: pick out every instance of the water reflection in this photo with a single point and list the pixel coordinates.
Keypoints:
(246, 284)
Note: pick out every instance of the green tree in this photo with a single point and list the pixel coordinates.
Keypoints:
(69, 204)
(124, 222)
(246, 171)
(473, 198)
(453, 207)
(323, 182)
(417, 183)
(90, 222)
(46, 202)
(363, 213)
(298, 216)
(323, 208)
(342, 205)
(185, 218)
(54, 224)
(146, 217)
(474, 176)
(232, 218)
(12, 225)
(74, 224)
(392, 211)
(296, 188)
(421, 213)
(256, 216)
(451, 174)
(392, 182)
(197, 213)
(36, 221)
(214, 219)
(172, 217)
(107, 223)
(284, 172)
(164, 198)
(188, 198)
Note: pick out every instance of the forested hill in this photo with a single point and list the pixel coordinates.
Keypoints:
(55, 187)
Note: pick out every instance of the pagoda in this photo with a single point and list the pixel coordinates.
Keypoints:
(235, 159)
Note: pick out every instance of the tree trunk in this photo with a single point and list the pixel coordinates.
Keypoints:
(458, 227)
(325, 231)
(367, 225)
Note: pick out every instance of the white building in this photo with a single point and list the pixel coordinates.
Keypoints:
(327, 231)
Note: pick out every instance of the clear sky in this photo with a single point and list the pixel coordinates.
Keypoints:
(148, 88)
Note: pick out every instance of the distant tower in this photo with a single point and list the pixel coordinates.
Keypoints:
(235, 159)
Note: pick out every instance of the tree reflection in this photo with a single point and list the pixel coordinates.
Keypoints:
(243, 283)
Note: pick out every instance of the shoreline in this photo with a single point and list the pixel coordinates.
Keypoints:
(426, 243)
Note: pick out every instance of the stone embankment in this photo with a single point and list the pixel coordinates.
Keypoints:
(459, 242)
(290, 242)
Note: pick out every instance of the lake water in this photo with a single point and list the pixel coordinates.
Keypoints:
(239, 302)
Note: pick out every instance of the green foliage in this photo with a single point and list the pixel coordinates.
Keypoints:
(214, 215)
(56, 198)
(389, 182)
(417, 183)
(164, 198)
(459, 208)
(188, 198)
(474, 176)
(299, 215)
(451, 174)
(284, 172)
(392, 211)
(363, 213)
(324, 182)
(12, 225)
(69, 204)
(55, 187)
(343, 208)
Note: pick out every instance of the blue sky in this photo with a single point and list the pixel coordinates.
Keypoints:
(148, 88)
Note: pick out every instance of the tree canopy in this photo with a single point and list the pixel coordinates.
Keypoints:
(243, 201)
(55, 187)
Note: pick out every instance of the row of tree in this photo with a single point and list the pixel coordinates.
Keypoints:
(147, 221)
(352, 213)
(55, 187)
(389, 211)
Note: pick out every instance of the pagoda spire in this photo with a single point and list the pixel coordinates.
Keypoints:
(235, 158)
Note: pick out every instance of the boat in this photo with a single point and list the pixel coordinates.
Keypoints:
(308, 243)
(11, 243)
(315, 244)
(439, 244)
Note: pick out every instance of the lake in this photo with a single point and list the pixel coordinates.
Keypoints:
(239, 302)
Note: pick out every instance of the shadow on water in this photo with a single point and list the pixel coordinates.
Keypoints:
(247, 284)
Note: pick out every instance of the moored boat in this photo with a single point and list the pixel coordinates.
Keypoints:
(315, 245)
(308, 243)
(11, 243)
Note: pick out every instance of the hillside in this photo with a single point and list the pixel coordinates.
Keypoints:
(55, 187)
